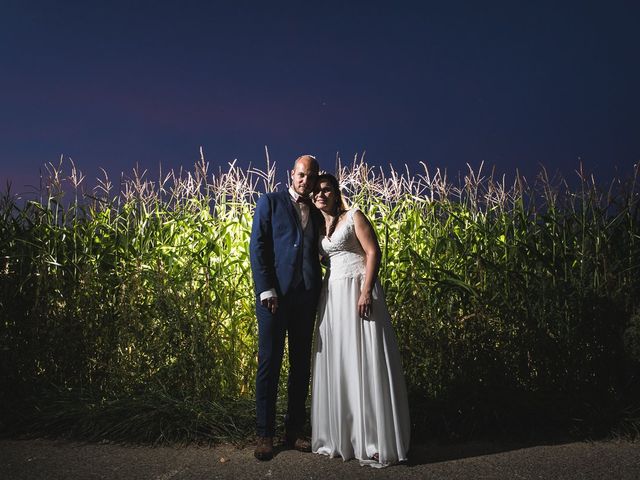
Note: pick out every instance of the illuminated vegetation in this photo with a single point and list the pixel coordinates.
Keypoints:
(127, 310)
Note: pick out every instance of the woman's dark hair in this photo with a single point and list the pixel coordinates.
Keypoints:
(340, 204)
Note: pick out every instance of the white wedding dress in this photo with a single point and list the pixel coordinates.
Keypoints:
(359, 404)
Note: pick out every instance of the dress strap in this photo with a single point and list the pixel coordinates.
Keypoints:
(350, 213)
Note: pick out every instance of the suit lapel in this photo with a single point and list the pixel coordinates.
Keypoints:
(292, 210)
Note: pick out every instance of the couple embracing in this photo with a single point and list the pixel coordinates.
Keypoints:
(359, 405)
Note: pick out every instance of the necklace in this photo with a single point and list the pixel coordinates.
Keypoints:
(334, 222)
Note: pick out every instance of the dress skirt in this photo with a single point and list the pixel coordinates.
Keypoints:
(359, 399)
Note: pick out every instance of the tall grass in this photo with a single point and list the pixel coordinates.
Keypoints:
(127, 310)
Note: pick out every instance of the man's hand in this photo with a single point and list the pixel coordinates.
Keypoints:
(271, 303)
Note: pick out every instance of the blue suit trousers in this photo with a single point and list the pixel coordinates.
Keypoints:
(293, 320)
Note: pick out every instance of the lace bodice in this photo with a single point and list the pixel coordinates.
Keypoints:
(343, 251)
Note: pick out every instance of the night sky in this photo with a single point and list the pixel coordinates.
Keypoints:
(512, 83)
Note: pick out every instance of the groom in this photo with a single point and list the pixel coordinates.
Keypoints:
(287, 277)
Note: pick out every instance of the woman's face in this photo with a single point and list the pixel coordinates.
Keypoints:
(324, 197)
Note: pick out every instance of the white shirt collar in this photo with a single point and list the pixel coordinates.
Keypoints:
(294, 195)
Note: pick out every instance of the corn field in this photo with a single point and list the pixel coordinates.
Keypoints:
(127, 310)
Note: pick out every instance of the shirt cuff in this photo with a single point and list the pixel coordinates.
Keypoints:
(268, 294)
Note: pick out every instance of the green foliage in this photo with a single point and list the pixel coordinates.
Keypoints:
(126, 313)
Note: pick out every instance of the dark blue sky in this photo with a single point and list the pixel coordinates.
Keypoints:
(514, 83)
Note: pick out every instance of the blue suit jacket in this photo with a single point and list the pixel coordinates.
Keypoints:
(275, 248)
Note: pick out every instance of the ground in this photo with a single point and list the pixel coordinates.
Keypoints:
(60, 459)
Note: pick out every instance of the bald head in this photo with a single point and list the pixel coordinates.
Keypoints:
(309, 161)
(304, 174)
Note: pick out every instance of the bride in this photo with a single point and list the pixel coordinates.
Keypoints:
(359, 402)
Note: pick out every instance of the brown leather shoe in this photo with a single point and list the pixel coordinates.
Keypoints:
(264, 448)
(300, 444)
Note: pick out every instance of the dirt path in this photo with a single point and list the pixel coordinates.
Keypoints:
(56, 459)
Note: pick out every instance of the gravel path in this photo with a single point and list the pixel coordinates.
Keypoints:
(57, 459)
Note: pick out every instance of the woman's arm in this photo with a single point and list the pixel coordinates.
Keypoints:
(367, 238)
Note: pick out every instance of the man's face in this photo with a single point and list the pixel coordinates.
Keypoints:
(304, 175)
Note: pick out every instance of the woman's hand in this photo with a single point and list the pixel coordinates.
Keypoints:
(364, 304)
